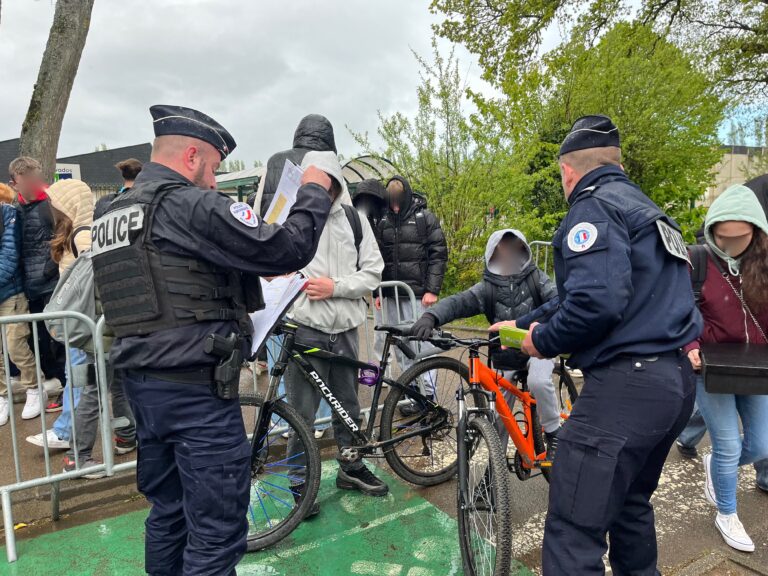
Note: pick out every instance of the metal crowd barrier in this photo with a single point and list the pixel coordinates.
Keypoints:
(50, 477)
(543, 257)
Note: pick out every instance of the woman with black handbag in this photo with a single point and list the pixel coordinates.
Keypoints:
(734, 304)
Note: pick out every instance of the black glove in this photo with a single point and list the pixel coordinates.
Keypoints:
(422, 328)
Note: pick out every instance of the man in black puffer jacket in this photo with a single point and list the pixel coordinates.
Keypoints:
(41, 273)
(414, 251)
(314, 132)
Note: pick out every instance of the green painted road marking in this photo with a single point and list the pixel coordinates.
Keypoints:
(398, 535)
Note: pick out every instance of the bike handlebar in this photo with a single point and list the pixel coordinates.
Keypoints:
(441, 339)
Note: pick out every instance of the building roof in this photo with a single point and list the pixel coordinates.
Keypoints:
(99, 167)
(96, 168)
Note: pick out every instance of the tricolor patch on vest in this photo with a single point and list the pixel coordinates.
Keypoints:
(673, 240)
(244, 213)
(113, 230)
(582, 237)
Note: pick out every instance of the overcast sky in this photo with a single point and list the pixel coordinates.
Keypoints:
(256, 67)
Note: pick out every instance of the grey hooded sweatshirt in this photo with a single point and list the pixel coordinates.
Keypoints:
(513, 298)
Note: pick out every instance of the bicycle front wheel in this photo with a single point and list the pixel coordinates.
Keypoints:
(285, 474)
(485, 527)
(427, 458)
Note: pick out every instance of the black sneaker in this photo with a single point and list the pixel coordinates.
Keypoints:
(686, 451)
(414, 407)
(551, 439)
(361, 479)
(298, 494)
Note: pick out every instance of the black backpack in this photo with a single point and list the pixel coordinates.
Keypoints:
(353, 216)
(533, 280)
(698, 254)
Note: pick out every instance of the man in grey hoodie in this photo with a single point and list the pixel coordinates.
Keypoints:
(512, 286)
(329, 313)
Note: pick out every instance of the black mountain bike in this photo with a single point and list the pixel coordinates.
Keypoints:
(285, 455)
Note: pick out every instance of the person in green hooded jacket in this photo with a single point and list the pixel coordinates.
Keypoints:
(734, 305)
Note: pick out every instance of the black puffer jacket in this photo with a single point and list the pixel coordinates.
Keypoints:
(40, 273)
(759, 186)
(418, 258)
(314, 132)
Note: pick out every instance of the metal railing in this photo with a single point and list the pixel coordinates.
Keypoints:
(543, 257)
(49, 477)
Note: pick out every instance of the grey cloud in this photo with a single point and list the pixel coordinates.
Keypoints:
(257, 67)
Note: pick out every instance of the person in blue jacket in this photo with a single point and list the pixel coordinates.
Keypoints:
(625, 310)
(12, 303)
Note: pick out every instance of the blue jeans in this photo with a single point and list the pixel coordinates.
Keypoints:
(722, 413)
(273, 352)
(62, 427)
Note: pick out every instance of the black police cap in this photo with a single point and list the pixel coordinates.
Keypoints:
(181, 121)
(591, 132)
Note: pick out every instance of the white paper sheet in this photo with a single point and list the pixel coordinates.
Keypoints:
(285, 195)
(279, 294)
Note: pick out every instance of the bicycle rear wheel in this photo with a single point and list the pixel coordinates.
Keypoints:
(566, 388)
(428, 458)
(485, 528)
(277, 473)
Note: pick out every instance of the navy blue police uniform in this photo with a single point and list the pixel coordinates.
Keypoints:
(175, 264)
(625, 311)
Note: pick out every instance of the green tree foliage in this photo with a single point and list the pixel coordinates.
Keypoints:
(440, 153)
(667, 111)
(729, 36)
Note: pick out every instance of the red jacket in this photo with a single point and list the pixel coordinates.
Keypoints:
(724, 318)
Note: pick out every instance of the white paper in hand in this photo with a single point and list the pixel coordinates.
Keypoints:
(279, 294)
(285, 195)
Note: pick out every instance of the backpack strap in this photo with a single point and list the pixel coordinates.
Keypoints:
(698, 254)
(421, 225)
(490, 302)
(353, 216)
(533, 281)
(77, 231)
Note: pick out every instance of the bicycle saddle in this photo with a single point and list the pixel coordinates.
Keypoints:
(395, 329)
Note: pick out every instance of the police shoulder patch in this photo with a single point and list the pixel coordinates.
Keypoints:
(582, 237)
(243, 213)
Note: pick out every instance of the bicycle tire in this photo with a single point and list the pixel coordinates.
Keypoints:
(539, 445)
(499, 495)
(276, 533)
(388, 422)
(566, 388)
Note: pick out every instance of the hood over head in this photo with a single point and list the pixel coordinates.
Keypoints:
(369, 198)
(74, 199)
(737, 203)
(328, 162)
(515, 266)
(315, 132)
(407, 197)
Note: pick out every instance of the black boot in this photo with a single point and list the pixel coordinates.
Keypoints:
(551, 440)
(361, 479)
(298, 494)
(414, 407)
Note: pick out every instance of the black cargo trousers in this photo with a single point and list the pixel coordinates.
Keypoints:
(610, 455)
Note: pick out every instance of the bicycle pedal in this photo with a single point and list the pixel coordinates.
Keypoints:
(545, 464)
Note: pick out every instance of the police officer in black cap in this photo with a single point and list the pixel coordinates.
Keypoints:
(626, 309)
(176, 265)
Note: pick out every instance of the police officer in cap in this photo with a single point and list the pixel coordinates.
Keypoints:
(176, 266)
(626, 309)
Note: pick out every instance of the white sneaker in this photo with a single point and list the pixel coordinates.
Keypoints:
(3, 410)
(319, 433)
(54, 442)
(709, 486)
(732, 531)
(52, 385)
(35, 404)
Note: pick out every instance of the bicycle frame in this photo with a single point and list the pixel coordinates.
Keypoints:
(292, 352)
(492, 381)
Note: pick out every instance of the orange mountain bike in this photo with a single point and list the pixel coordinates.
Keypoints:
(520, 419)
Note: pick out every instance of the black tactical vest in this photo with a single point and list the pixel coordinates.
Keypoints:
(143, 290)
